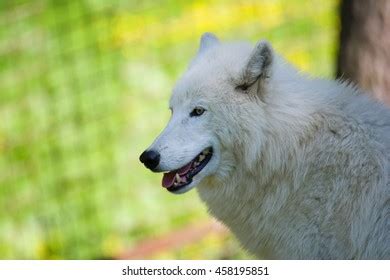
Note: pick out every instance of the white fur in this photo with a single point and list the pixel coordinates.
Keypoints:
(300, 167)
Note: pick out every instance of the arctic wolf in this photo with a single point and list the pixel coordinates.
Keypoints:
(297, 168)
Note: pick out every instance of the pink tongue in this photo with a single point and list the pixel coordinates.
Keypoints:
(169, 177)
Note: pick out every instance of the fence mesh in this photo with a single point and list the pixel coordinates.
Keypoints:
(83, 90)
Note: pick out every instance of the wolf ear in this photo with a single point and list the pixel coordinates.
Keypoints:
(259, 63)
(206, 41)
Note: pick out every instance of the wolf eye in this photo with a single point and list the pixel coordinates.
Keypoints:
(242, 87)
(197, 112)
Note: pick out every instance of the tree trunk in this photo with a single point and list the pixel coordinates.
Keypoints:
(364, 54)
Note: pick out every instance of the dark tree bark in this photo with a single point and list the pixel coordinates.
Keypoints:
(364, 54)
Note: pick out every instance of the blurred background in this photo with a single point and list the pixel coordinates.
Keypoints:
(84, 88)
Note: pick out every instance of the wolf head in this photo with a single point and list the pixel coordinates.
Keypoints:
(218, 115)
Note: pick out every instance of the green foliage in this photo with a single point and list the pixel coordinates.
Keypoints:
(84, 87)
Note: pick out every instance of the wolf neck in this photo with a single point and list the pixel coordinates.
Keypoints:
(291, 111)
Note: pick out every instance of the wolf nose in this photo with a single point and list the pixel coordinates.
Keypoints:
(150, 159)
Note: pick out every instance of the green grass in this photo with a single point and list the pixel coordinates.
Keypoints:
(84, 87)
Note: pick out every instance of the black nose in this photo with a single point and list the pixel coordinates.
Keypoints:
(150, 158)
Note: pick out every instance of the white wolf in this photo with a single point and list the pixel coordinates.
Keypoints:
(297, 168)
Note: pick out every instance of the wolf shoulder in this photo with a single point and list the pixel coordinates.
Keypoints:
(358, 106)
(348, 173)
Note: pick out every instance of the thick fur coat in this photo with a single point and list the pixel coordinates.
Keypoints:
(300, 166)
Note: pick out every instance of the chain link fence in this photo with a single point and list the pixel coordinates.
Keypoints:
(83, 90)
(61, 119)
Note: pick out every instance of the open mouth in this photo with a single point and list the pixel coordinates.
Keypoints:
(177, 179)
